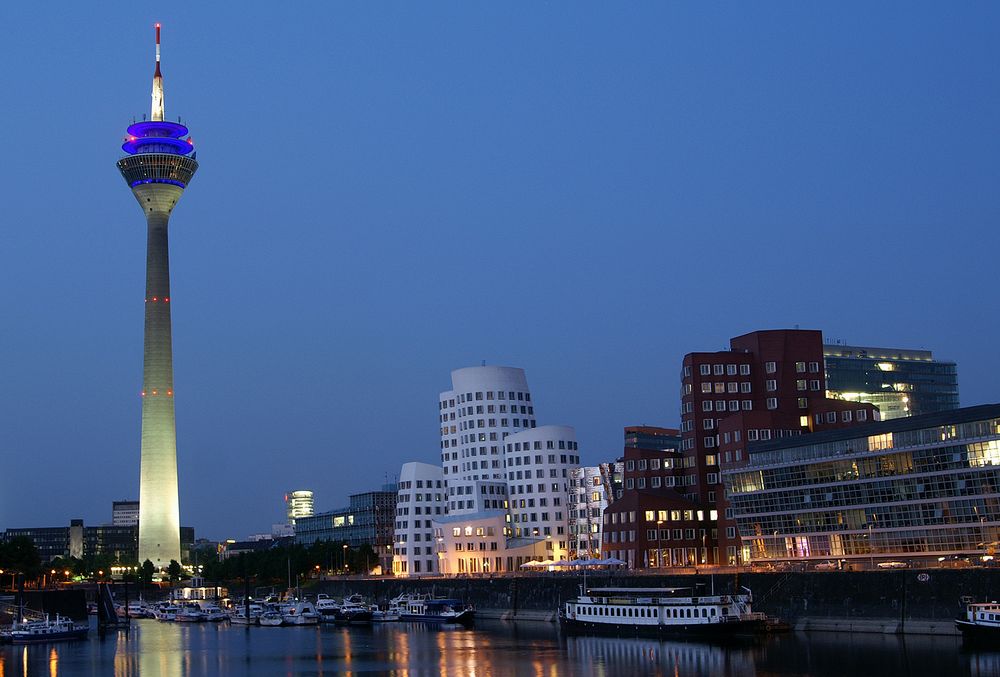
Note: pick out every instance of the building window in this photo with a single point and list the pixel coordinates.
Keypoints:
(831, 417)
(744, 370)
(803, 403)
(734, 405)
(731, 369)
(771, 385)
(717, 369)
(745, 387)
(770, 367)
(814, 367)
(800, 367)
(706, 386)
(845, 416)
(709, 441)
(706, 405)
(862, 415)
(687, 371)
(800, 384)
(705, 369)
(772, 403)
(814, 385)
(747, 405)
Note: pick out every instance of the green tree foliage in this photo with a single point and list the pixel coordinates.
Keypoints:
(21, 556)
(146, 571)
(174, 571)
(274, 564)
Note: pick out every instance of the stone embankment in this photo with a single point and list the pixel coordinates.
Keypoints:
(893, 602)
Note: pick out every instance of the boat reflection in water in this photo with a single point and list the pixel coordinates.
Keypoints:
(615, 656)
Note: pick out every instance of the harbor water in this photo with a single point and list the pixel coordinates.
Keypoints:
(153, 648)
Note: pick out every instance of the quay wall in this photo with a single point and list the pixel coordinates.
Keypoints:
(918, 601)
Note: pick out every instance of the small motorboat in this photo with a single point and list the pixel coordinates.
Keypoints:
(982, 621)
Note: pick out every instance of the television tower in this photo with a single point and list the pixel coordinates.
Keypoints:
(158, 165)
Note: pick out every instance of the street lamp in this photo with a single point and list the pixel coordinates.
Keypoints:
(534, 548)
(345, 557)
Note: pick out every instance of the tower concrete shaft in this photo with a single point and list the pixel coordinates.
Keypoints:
(159, 511)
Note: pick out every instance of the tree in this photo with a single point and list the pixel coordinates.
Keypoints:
(20, 555)
(174, 570)
(146, 572)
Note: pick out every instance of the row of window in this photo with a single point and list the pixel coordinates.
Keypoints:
(489, 395)
(719, 370)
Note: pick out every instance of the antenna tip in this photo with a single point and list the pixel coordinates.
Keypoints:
(157, 25)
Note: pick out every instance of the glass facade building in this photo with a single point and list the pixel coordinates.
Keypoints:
(917, 487)
(899, 382)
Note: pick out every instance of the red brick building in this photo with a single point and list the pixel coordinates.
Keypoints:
(651, 525)
(770, 384)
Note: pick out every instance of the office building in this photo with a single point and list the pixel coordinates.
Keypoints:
(158, 165)
(124, 513)
(119, 543)
(768, 385)
(367, 520)
(900, 382)
(915, 488)
(299, 504)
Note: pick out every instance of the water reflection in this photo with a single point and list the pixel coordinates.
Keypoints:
(611, 656)
(535, 650)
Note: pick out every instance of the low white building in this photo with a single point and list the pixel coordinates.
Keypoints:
(420, 499)
(476, 545)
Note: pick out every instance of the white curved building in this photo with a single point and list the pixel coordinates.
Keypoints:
(538, 463)
(420, 500)
(484, 406)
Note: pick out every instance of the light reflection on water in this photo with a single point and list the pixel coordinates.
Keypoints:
(535, 650)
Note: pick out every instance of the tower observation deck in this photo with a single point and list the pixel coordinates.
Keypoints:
(158, 165)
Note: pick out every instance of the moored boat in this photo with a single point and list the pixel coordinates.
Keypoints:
(427, 609)
(661, 611)
(353, 612)
(327, 608)
(300, 613)
(48, 630)
(982, 621)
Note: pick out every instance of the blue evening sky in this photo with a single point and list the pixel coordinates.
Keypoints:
(388, 191)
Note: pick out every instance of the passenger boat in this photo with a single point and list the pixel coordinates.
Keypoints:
(661, 611)
(213, 613)
(427, 609)
(982, 621)
(58, 630)
(353, 612)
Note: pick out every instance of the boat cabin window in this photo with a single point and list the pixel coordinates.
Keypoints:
(704, 613)
(713, 610)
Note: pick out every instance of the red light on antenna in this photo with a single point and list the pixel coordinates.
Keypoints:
(157, 25)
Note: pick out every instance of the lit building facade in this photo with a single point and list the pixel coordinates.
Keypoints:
(484, 406)
(900, 382)
(919, 487)
(420, 500)
(299, 504)
(538, 463)
(588, 498)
